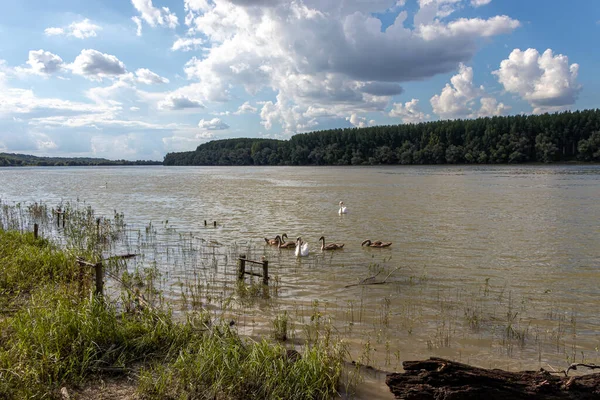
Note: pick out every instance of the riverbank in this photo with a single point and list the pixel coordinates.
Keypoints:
(56, 336)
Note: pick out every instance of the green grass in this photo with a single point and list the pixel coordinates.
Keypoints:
(55, 333)
(26, 262)
(222, 365)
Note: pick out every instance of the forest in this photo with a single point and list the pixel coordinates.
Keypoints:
(24, 160)
(560, 137)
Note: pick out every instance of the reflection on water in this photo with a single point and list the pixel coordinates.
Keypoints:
(499, 266)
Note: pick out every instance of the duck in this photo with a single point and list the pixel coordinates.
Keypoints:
(330, 246)
(343, 210)
(273, 242)
(377, 243)
(301, 248)
(286, 245)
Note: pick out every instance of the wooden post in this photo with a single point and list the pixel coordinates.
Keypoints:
(64, 215)
(99, 279)
(241, 267)
(35, 231)
(58, 217)
(205, 223)
(215, 224)
(98, 227)
(265, 272)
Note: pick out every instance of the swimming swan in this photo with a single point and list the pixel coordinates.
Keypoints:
(273, 242)
(330, 246)
(286, 245)
(301, 248)
(377, 243)
(343, 210)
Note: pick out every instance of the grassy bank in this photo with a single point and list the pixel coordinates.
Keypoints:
(55, 333)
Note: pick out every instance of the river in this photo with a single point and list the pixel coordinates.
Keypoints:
(497, 266)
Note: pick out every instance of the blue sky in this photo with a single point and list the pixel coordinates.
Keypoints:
(136, 79)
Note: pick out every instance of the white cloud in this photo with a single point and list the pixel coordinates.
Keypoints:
(357, 121)
(546, 81)
(95, 65)
(178, 102)
(187, 44)
(148, 77)
(410, 112)
(490, 107)
(246, 108)
(153, 16)
(81, 30)
(316, 55)
(42, 62)
(454, 101)
(134, 109)
(214, 124)
(458, 99)
(138, 24)
(54, 31)
(479, 3)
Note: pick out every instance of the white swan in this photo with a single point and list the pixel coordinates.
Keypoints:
(301, 248)
(343, 210)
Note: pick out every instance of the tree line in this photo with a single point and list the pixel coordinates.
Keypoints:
(24, 160)
(547, 138)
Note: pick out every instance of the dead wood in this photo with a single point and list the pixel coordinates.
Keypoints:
(442, 379)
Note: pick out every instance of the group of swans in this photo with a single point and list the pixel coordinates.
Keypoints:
(301, 247)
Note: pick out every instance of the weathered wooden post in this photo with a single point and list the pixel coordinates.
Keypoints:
(215, 224)
(205, 224)
(265, 272)
(64, 215)
(35, 231)
(241, 267)
(99, 279)
(58, 217)
(98, 228)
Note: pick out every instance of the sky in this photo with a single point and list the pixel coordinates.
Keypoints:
(136, 79)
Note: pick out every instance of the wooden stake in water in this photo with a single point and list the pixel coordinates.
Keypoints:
(99, 280)
(35, 231)
(265, 272)
(241, 267)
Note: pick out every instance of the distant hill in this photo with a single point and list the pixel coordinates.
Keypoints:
(547, 138)
(24, 160)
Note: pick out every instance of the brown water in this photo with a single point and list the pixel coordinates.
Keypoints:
(498, 266)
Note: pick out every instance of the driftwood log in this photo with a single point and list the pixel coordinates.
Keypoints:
(442, 379)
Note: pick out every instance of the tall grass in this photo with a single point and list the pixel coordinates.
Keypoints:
(57, 333)
(222, 365)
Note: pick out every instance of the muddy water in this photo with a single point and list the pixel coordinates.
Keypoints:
(494, 266)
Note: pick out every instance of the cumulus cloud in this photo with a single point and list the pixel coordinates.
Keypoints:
(246, 108)
(479, 3)
(81, 30)
(95, 65)
(178, 102)
(153, 16)
(458, 98)
(546, 81)
(214, 124)
(187, 44)
(359, 122)
(148, 77)
(315, 54)
(42, 62)
(454, 101)
(409, 112)
(491, 107)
